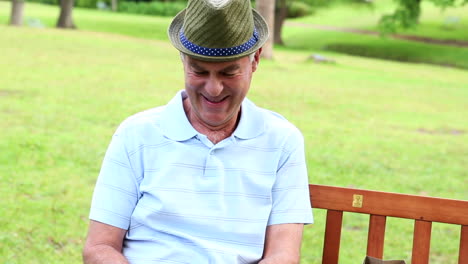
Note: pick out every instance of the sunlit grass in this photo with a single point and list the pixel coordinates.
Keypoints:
(367, 123)
(450, 24)
(303, 38)
(150, 27)
(317, 41)
(434, 22)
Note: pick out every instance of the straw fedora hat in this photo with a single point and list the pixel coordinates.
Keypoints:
(218, 30)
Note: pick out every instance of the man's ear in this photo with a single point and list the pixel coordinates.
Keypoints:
(256, 59)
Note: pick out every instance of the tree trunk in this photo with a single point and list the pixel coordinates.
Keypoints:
(114, 5)
(65, 19)
(281, 11)
(16, 17)
(267, 9)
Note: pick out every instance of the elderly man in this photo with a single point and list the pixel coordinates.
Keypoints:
(209, 177)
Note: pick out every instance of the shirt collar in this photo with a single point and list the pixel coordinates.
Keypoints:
(251, 123)
(174, 122)
(176, 126)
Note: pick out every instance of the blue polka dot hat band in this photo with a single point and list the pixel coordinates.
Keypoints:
(218, 52)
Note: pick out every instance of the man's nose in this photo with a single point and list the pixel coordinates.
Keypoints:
(214, 86)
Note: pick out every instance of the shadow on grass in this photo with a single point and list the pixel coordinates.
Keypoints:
(375, 47)
(389, 52)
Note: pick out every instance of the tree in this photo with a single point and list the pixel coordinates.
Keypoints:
(16, 17)
(407, 14)
(281, 12)
(266, 8)
(65, 19)
(114, 5)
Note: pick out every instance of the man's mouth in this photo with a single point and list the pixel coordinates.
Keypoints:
(215, 100)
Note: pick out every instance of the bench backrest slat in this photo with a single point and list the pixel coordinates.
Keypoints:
(421, 242)
(380, 205)
(463, 255)
(376, 235)
(331, 248)
(390, 204)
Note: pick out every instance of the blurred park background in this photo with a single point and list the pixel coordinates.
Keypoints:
(378, 88)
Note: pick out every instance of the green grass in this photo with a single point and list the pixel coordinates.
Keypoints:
(149, 27)
(368, 123)
(302, 38)
(63, 95)
(315, 40)
(434, 21)
(432, 24)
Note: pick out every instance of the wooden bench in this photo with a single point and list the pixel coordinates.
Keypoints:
(380, 205)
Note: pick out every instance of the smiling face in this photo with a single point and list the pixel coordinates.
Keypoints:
(216, 90)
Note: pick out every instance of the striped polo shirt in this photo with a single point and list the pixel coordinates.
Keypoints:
(184, 199)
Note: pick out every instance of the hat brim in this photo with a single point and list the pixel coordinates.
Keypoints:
(178, 22)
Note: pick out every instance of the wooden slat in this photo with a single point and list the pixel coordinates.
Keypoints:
(463, 255)
(376, 236)
(331, 246)
(390, 204)
(421, 242)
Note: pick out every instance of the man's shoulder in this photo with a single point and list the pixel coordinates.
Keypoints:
(276, 122)
(276, 129)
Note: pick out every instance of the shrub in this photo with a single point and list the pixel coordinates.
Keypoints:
(86, 3)
(78, 3)
(316, 3)
(325, 3)
(299, 9)
(48, 2)
(147, 8)
(152, 8)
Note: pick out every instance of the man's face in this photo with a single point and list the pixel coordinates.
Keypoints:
(216, 89)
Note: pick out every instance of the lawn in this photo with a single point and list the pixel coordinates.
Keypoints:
(302, 38)
(319, 41)
(434, 23)
(368, 123)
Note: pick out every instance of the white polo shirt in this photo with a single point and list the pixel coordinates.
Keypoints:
(184, 199)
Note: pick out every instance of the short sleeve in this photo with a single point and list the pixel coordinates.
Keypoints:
(290, 193)
(116, 192)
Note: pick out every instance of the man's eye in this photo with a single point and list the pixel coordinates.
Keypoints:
(228, 74)
(200, 72)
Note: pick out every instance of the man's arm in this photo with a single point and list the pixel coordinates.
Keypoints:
(282, 244)
(104, 244)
